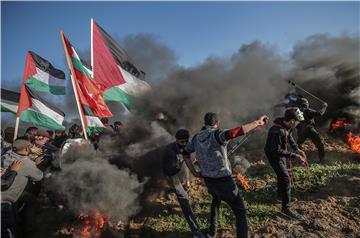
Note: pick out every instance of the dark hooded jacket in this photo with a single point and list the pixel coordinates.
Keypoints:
(278, 140)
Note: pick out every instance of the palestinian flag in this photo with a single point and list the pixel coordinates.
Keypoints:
(89, 91)
(35, 110)
(92, 122)
(9, 101)
(40, 75)
(122, 80)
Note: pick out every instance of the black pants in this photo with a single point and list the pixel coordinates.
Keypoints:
(311, 133)
(283, 180)
(225, 189)
(8, 220)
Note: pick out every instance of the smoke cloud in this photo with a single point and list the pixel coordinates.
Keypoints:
(88, 181)
(330, 68)
(244, 86)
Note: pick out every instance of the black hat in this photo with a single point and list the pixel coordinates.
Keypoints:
(304, 102)
(293, 113)
(210, 119)
(182, 134)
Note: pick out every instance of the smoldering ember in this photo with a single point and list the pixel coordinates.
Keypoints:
(249, 129)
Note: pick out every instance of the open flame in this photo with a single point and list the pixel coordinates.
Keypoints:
(353, 142)
(244, 182)
(339, 123)
(92, 224)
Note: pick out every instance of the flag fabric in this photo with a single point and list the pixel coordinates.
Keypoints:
(41, 75)
(9, 101)
(89, 92)
(121, 79)
(91, 121)
(33, 109)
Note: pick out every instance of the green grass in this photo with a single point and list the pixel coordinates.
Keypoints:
(260, 202)
(319, 175)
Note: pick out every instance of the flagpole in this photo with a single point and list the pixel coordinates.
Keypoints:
(72, 76)
(92, 48)
(16, 127)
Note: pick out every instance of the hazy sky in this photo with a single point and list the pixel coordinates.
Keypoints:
(193, 30)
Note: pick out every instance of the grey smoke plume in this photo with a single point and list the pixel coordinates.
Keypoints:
(244, 85)
(240, 164)
(238, 89)
(330, 68)
(87, 181)
(139, 148)
(255, 78)
(152, 56)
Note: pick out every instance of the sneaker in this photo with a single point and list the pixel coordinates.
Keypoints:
(290, 214)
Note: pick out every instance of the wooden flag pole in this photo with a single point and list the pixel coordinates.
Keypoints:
(16, 127)
(92, 48)
(72, 76)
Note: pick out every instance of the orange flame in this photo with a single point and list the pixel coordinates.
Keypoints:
(244, 182)
(353, 142)
(339, 123)
(92, 224)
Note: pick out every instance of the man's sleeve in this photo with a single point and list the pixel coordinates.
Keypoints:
(314, 113)
(190, 147)
(32, 171)
(222, 136)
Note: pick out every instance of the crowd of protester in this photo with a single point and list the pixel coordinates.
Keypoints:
(29, 160)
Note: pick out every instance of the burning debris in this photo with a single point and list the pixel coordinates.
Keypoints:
(244, 182)
(341, 125)
(354, 142)
(91, 224)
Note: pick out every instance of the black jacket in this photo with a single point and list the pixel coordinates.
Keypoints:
(173, 159)
(278, 139)
(309, 116)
